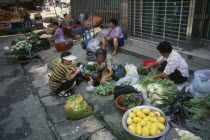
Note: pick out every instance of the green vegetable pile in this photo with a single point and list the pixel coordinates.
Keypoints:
(33, 36)
(196, 108)
(104, 89)
(142, 71)
(89, 69)
(18, 39)
(160, 91)
(21, 48)
(87, 73)
(129, 101)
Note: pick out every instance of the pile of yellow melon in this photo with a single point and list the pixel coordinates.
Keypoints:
(145, 122)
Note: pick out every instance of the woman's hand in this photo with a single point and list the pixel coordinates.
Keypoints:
(103, 80)
(146, 67)
(153, 76)
(73, 69)
(78, 71)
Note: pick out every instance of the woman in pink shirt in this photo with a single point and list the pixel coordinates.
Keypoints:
(58, 36)
(114, 36)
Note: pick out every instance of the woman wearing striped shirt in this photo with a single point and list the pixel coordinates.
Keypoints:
(62, 79)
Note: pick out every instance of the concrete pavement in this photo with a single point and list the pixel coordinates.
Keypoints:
(22, 115)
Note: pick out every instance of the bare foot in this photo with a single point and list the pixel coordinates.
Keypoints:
(114, 53)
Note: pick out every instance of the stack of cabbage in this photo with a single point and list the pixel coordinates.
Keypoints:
(76, 108)
(160, 91)
(18, 46)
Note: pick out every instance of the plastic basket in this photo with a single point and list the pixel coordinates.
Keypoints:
(63, 47)
(147, 62)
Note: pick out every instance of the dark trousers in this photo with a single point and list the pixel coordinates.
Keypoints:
(68, 84)
(176, 76)
(65, 86)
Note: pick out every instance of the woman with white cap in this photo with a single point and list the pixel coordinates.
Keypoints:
(62, 79)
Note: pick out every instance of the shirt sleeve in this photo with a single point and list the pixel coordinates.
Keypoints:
(109, 32)
(161, 59)
(172, 65)
(118, 32)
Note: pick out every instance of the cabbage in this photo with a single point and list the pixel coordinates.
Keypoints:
(6, 49)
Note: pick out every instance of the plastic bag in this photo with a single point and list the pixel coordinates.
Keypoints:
(124, 89)
(183, 95)
(38, 69)
(93, 45)
(90, 89)
(79, 78)
(131, 76)
(76, 108)
(120, 72)
(200, 85)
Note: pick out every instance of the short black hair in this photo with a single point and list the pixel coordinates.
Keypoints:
(114, 21)
(56, 23)
(65, 53)
(101, 52)
(164, 47)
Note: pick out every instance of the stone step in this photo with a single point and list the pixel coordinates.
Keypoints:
(196, 59)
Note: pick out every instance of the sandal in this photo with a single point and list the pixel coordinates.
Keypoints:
(64, 94)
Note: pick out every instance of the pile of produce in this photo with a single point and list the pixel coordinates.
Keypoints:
(33, 36)
(142, 71)
(160, 91)
(145, 122)
(176, 111)
(76, 108)
(105, 89)
(89, 69)
(197, 108)
(129, 101)
(18, 39)
(186, 135)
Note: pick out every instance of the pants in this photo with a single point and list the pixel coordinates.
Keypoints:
(68, 84)
(119, 40)
(176, 76)
(65, 86)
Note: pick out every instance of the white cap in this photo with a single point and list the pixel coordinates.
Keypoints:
(69, 57)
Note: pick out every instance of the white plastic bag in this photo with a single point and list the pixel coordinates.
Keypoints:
(93, 45)
(131, 76)
(200, 85)
(38, 69)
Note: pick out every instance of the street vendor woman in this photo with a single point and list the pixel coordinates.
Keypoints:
(105, 62)
(63, 77)
(26, 17)
(173, 66)
(114, 36)
(58, 36)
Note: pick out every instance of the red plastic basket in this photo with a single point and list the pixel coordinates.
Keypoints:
(122, 109)
(147, 62)
(63, 47)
